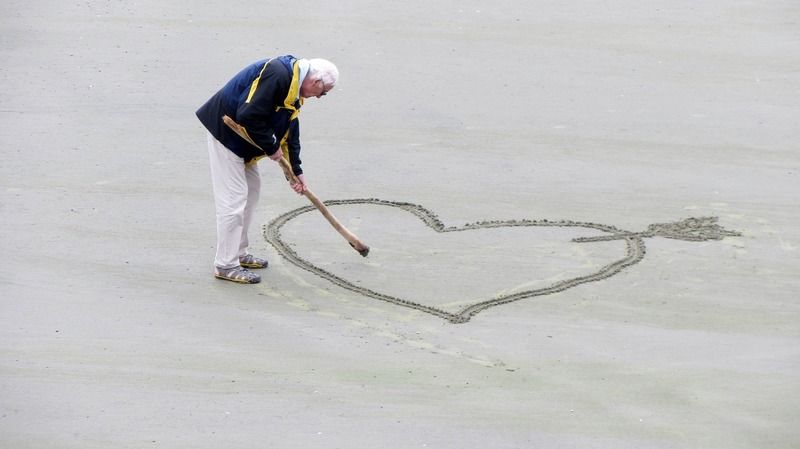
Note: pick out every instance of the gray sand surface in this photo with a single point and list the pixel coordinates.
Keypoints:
(114, 334)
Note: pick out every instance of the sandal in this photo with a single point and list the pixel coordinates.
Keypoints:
(251, 261)
(237, 274)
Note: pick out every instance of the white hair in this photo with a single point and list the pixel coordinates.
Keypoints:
(324, 70)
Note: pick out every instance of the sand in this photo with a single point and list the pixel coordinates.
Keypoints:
(113, 333)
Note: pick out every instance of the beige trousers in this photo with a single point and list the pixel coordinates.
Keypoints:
(236, 190)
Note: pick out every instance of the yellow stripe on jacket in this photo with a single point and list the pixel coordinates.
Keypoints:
(288, 103)
(254, 85)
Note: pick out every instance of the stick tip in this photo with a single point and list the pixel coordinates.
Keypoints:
(360, 247)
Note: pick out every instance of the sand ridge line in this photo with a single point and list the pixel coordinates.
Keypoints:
(691, 229)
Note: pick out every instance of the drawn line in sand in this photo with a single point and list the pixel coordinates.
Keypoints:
(695, 229)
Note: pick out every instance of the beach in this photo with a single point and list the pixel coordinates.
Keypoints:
(469, 145)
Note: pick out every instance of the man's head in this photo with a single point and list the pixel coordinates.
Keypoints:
(322, 76)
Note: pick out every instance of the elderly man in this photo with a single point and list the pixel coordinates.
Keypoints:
(265, 99)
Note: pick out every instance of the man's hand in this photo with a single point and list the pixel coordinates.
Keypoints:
(299, 187)
(276, 156)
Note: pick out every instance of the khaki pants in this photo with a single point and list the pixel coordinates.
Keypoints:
(236, 190)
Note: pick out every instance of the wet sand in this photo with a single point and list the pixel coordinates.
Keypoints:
(113, 333)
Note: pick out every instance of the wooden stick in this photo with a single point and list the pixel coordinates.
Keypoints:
(287, 171)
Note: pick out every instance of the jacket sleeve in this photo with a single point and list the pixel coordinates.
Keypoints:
(293, 146)
(256, 112)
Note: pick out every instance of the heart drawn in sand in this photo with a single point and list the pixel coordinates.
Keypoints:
(690, 229)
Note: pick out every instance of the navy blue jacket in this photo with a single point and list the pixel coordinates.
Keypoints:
(263, 98)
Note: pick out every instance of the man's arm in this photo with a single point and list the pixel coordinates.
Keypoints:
(293, 145)
(293, 154)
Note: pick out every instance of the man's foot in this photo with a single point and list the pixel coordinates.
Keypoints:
(237, 274)
(251, 261)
